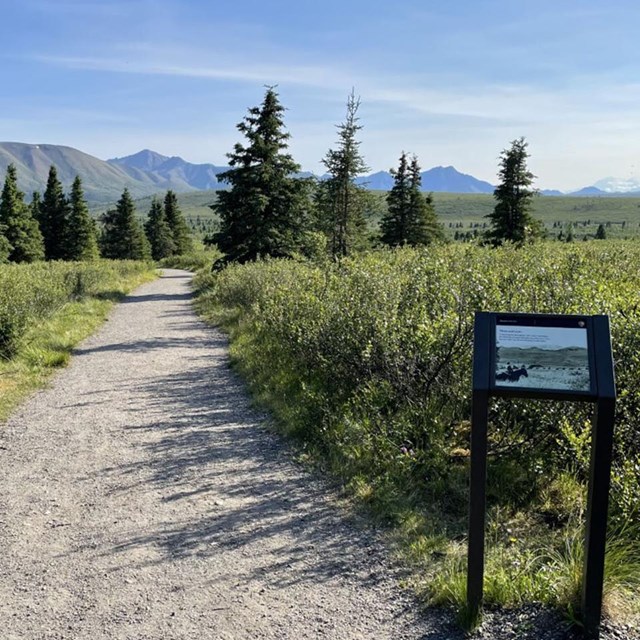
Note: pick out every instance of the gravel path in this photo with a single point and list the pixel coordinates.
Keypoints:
(142, 499)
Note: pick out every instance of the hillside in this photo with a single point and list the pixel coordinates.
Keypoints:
(103, 182)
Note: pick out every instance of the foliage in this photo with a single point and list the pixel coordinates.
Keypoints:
(158, 232)
(264, 213)
(368, 361)
(601, 233)
(180, 236)
(511, 220)
(82, 242)
(410, 219)
(54, 218)
(122, 237)
(22, 238)
(340, 202)
(46, 309)
(29, 293)
(193, 261)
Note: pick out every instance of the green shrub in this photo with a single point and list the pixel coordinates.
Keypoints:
(29, 293)
(368, 362)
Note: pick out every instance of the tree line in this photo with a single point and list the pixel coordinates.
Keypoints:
(270, 210)
(57, 226)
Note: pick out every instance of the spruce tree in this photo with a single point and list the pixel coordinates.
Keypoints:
(511, 220)
(601, 233)
(423, 227)
(54, 218)
(158, 232)
(180, 235)
(340, 202)
(122, 236)
(82, 243)
(264, 213)
(19, 229)
(394, 224)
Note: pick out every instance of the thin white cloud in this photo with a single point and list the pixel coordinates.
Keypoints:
(313, 76)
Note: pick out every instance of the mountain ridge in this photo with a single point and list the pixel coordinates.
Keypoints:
(147, 172)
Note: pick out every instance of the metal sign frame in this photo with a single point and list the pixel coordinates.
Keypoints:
(601, 392)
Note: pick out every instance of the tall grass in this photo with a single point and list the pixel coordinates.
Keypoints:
(368, 363)
(47, 308)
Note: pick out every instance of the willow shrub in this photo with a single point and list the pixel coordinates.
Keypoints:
(29, 293)
(369, 362)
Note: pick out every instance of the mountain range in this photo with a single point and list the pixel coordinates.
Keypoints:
(147, 172)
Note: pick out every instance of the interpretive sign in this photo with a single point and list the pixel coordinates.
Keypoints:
(556, 357)
(538, 352)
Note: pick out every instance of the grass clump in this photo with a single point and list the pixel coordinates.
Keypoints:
(46, 309)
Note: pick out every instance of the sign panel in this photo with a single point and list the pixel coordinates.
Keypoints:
(542, 353)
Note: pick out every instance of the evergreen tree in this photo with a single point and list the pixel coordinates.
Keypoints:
(82, 243)
(265, 211)
(411, 217)
(22, 237)
(122, 236)
(54, 218)
(394, 224)
(36, 206)
(158, 232)
(180, 235)
(340, 202)
(511, 220)
(601, 234)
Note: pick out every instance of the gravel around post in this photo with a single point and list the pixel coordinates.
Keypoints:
(143, 498)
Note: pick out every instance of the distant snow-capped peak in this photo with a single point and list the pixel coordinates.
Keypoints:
(618, 185)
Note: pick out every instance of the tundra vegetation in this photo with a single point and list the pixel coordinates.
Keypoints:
(367, 362)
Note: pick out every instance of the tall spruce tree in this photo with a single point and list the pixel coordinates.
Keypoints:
(411, 218)
(423, 227)
(394, 224)
(340, 202)
(511, 220)
(122, 236)
(54, 218)
(265, 211)
(180, 235)
(81, 240)
(19, 228)
(158, 232)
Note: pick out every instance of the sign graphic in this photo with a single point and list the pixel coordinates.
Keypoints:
(541, 357)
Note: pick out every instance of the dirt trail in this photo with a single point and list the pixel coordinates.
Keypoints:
(140, 498)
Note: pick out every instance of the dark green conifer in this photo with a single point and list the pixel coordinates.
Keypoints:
(158, 232)
(82, 243)
(411, 218)
(54, 218)
(340, 202)
(601, 233)
(180, 233)
(423, 227)
(394, 224)
(19, 229)
(265, 211)
(122, 236)
(511, 219)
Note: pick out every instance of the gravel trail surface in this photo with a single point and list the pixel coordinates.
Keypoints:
(142, 498)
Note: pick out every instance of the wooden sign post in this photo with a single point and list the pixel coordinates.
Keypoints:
(557, 357)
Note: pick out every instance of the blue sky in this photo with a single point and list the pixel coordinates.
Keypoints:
(453, 82)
